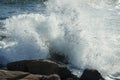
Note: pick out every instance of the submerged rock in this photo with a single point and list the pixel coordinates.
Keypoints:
(57, 57)
(43, 67)
(91, 74)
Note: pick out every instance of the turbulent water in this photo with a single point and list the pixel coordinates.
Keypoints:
(86, 31)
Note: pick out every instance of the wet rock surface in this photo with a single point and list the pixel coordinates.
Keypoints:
(42, 67)
(91, 74)
(47, 67)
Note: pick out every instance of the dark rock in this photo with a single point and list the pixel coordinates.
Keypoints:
(18, 65)
(91, 74)
(47, 67)
(41, 66)
(17, 75)
(44, 67)
(65, 73)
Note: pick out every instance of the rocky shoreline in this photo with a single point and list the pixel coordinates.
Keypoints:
(43, 69)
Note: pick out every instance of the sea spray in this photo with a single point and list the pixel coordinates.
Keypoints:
(27, 42)
(87, 32)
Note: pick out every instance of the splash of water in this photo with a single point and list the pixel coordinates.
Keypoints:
(85, 31)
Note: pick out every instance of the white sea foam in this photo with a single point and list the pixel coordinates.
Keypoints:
(86, 31)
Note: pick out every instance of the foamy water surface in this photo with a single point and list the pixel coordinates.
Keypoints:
(87, 32)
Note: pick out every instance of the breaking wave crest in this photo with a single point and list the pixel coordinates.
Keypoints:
(87, 32)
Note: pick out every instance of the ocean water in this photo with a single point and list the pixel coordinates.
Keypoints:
(86, 31)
